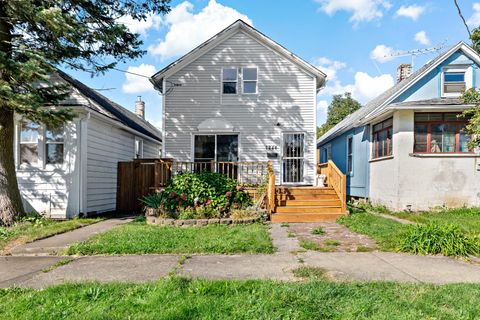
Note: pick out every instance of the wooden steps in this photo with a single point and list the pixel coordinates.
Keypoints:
(306, 204)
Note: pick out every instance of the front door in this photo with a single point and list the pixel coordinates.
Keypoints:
(293, 157)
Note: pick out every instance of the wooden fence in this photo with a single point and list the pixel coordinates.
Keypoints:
(142, 177)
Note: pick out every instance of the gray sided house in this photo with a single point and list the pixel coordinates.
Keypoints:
(407, 148)
(240, 96)
(72, 170)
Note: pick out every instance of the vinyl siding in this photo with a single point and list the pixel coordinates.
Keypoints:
(107, 145)
(286, 95)
(49, 189)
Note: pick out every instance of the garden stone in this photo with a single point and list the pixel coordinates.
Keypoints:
(189, 222)
(168, 222)
(225, 221)
(151, 220)
(202, 222)
(213, 221)
(179, 223)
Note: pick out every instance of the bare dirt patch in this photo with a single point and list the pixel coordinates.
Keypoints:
(331, 237)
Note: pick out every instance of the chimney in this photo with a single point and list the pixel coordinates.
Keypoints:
(403, 71)
(140, 107)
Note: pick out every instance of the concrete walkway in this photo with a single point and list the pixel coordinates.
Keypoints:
(26, 271)
(56, 244)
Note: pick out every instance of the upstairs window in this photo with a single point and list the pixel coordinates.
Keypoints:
(250, 79)
(29, 134)
(454, 82)
(382, 139)
(440, 133)
(229, 81)
(54, 141)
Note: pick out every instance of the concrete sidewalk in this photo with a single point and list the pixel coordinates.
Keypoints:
(55, 244)
(371, 266)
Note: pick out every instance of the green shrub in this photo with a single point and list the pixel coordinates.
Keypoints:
(199, 195)
(432, 238)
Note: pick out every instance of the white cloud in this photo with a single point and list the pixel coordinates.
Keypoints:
(413, 12)
(361, 10)
(382, 53)
(138, 84)
(322, 105)
(330, 67)
(141, 26)
(422, 38)
(364, 89)
(187, 30)
(474, 20)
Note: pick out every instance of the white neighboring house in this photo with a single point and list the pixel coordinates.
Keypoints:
(73, 170)
(240, 96)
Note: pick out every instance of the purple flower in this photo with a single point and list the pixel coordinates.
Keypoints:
(228, 194)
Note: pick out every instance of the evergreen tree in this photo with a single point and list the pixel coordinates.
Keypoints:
(36, 36)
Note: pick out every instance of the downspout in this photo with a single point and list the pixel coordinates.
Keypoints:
(81, 204)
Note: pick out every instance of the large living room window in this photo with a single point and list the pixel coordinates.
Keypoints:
(382, 139)
(440, 133)
(216, 147)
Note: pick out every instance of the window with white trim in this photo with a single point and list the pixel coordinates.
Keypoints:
(229, 81)
(350, 155)
(138, 148)
(455, 80)
(250, 80)
(28, 142)
(54, 145)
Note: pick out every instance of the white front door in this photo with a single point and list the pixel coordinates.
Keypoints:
(293, 158)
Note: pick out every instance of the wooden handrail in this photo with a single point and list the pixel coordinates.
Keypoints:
(335, 179)
(270, 188)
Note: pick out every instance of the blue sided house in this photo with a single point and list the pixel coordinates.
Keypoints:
(407, 148)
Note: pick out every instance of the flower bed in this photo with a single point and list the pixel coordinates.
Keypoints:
(201, 196)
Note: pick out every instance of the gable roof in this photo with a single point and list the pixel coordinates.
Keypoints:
(113, 110)
(381, 102)
(227, 33)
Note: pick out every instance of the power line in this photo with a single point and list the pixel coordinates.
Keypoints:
(132, 73)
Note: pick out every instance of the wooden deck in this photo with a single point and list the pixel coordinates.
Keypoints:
(312, 204)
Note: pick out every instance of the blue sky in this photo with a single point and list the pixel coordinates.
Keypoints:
(351, 40)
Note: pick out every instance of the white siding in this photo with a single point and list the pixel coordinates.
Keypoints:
(107, 144)
(286, 96)
(49, 189)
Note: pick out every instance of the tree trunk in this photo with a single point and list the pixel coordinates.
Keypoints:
(10, 201)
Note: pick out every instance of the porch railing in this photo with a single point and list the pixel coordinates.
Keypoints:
(335, 179)
(143, 176)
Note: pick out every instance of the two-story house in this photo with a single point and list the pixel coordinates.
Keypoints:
(407, 148)
(240, 96)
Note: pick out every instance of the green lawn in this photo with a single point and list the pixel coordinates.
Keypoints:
(179, 298)
(384, 231)
(139, 238)
(468, 219)
(23, 232)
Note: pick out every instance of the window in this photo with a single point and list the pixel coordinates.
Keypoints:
(54, 145)
(328, 151)
(138, 148)
(350, 155)
(29, 134)
(440, 133)
(453, 82)
(216, 147)
(229, 81)
(382, 139)
(250, 77)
